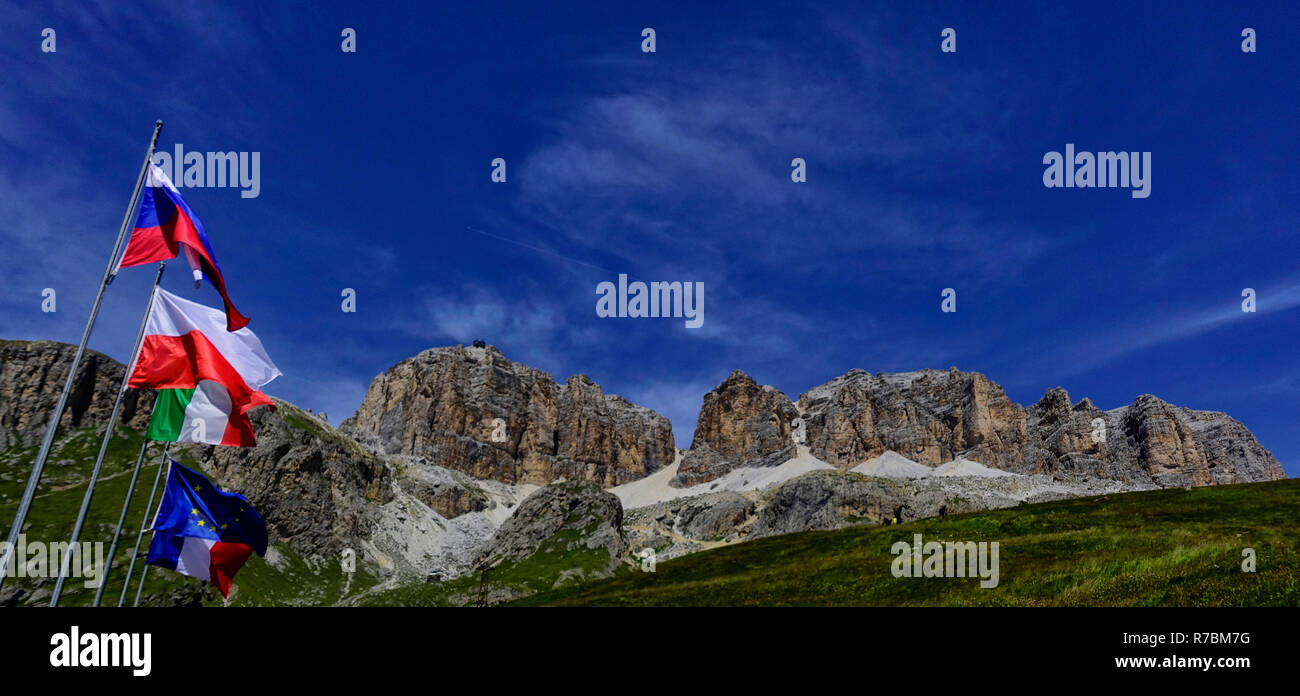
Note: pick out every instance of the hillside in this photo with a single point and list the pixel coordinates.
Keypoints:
(1169, 547)
(467, 478)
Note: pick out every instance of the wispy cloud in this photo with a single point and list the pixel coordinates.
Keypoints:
(1139, 334)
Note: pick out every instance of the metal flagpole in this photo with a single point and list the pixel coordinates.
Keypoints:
(103, 446)
(144, 524)
(121, 520)
(139, 587)
(34, 479)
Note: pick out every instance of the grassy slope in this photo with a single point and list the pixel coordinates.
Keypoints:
(536, 573)
(1168, 547)
(296, 581)
(60, 494)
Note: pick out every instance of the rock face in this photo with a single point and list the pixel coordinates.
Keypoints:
(315, 488)
(593, 518)
(443, 491)
(714, 517)
(929, 417)
(832, 499)
(741, 423)
(472, 410)
(32, 375)
(933, 417)
(707, 517)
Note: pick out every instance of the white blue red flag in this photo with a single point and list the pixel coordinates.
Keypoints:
(204, 532)
(166, 227)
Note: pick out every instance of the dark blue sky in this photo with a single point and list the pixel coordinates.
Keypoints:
(924, 173)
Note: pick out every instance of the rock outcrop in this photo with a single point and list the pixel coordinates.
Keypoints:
(933, 417)
(741, 423)
(594, 515)
(445, 492)
(929, 417)
(831, 499)
(562, 533)
(474, 411)
(316, 488)
(720, 516)
(32, 374)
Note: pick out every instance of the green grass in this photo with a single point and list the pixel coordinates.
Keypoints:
(560, 556)
(296, 581)
(1169, 547)
(59, 497)
(1158, 548)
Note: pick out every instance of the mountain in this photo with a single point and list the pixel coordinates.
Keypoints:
(934, 416)
(32, 374)
(472, 410)
(467, 478)
(1163, 547)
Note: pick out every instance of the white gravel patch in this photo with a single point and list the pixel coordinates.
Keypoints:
(655, 489)
(892, 465)
(966, 467)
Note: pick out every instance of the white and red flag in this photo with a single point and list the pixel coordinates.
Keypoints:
(210, 376)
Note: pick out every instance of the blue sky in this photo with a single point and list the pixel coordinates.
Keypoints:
(924, 173)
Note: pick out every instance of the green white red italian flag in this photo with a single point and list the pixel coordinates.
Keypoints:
(208, 377)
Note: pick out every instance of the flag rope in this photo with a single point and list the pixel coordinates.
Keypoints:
(144, 526)
(38, 467)
(103, 445)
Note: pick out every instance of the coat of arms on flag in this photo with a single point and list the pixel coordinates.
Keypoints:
(202, 531)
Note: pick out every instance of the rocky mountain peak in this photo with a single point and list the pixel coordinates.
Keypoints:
(475, 411)
(741, 422)
(934, 417)
(32, 374)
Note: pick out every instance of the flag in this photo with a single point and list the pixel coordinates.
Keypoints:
(167, 226)
(202, 415)
(203, 532)
(209, 377)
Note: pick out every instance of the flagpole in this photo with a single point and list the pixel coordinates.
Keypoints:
(34, 479)
(144, 524)
(121, 521)
(139, 586)
(103, 446)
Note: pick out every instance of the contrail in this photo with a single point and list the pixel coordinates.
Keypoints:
(544, 251)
